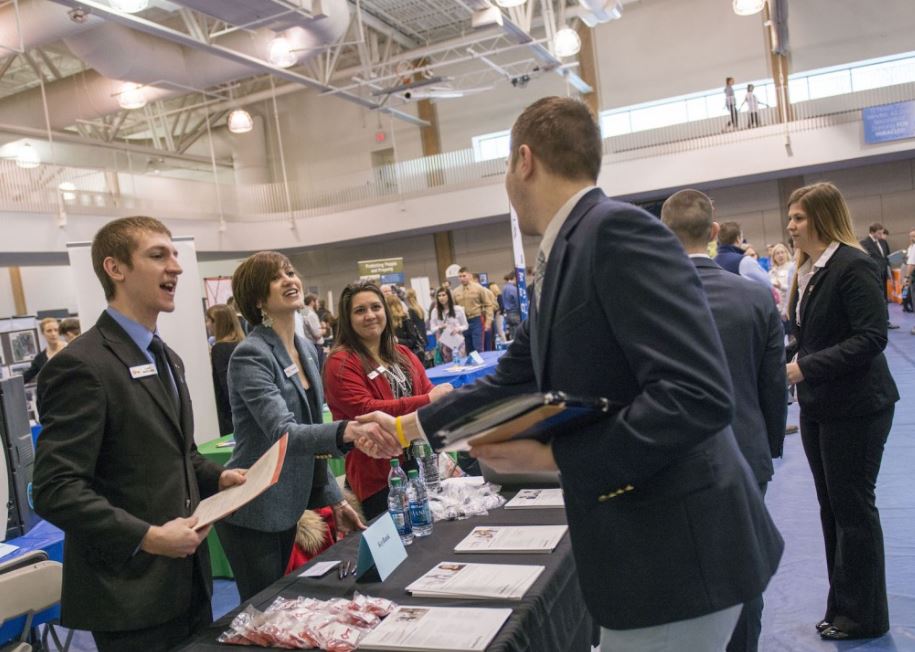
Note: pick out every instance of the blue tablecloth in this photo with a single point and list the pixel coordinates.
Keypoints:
(43, 536)
(444, 373)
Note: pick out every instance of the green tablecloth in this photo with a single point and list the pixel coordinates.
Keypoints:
(219, 451)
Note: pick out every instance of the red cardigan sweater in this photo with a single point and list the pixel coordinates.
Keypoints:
(349, 393)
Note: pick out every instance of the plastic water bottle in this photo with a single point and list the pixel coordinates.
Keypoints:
(397, 508)
(428, 462)
(420, 514)
(397, 472)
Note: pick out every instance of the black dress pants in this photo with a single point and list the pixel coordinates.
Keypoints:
(258, 558)
(745, 637)
(166, 636)
(844, 457)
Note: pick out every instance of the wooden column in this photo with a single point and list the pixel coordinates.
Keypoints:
(18, 291)
(444, 252)
(587, 68)
(431, 140)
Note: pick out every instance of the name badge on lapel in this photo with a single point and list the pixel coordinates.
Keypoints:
(142, 371)
(374, 373)
(291, 371)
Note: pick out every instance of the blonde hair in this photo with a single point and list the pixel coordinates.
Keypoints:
(48, 320)
(413, 302)
(396, 308)
(780, 247)
(828, 219)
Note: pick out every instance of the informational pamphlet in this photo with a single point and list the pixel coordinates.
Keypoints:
(436, 629)
(262, 475)
(515, 538)
(450, 579)
(535, 499)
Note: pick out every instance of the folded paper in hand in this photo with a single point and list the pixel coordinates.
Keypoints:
(262, 475)
(535, 416)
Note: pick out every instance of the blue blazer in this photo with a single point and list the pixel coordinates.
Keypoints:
(265, 404)
(666, 520)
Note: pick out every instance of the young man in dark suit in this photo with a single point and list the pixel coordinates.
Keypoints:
(116, 468)
(877, 248)
(668, 528)
(754, 346)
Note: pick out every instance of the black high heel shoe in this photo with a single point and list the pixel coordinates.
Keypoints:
(833, 633)
(823, 624)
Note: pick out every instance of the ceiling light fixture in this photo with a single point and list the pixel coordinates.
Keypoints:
(281, 54)
(28, 158)
(67, 190)
(240, 121)
(132, 96)
(510, 3)
(748, 7)
(566, 43)
(129, 6)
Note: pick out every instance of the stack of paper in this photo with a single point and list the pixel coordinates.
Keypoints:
(536, 498)
(436, 629)
(518, 538)
(458, 580)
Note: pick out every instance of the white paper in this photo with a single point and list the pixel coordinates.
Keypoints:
(262, 475)
(536, 498)
(518, 538)
(319, 569)
(461, 580)
(452, 340)
(437, 629)
(7, 548)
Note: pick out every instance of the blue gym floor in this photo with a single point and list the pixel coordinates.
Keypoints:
(796, 596)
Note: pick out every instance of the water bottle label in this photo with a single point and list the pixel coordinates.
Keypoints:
(420, 514)
(400, 521)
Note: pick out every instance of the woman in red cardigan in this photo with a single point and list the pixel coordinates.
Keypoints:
(368, 370)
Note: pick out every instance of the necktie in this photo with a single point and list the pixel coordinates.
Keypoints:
(157, 348)
(539, 270)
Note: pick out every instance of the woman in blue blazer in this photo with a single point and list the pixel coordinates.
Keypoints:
(847, 396)
(275, 388)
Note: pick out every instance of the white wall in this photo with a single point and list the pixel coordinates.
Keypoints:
(7, 304)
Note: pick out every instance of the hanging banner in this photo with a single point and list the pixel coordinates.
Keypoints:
(382, 270)
(520, 276)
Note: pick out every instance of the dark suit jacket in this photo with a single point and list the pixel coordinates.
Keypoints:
(115, 457)
(841, 339)
(754, 344)
(666, 520)
(879, 251)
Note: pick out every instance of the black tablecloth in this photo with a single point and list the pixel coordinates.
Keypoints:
(550, 618)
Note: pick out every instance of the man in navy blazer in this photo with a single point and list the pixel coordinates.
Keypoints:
(754, 345)
(669, 531)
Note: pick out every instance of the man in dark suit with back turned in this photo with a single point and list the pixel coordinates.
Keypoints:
(668, 528)
(117, 469)
(754, 346)
(876, 246)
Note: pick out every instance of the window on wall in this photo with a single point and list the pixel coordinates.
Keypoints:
(491, 146)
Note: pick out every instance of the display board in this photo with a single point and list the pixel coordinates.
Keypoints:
(382, 270)
(218, 290)
(184, 330)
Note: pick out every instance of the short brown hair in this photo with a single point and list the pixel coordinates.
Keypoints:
(310, 299)
(688, 213)
(563, 135)
(729, 233)
(876, 227)
(251, 282)
(116, 240)
(226, 327)
(70, 325)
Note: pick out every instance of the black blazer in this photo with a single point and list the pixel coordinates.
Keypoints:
(38, 362)
(841, 338)
(665, 517)
(219, 359)
(115, 457)
(754, 344)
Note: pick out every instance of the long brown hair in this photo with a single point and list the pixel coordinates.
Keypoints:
(828, 218)
(395, 307)
(413, 302)
(348, 340)
(226, 327)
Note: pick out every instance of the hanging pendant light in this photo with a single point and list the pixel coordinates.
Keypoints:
(28, 158)
(67, 190)
(566, 43)
(132, 96)
(748, 7)
(281, 54)
(240, 121)
(129, 6)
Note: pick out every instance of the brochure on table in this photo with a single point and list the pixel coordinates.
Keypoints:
(437, 629)
(536, 499)
(516, 538)
(450, 579)
(262, 475)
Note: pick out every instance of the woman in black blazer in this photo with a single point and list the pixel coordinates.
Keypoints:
(224, 326)
(847, 396)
